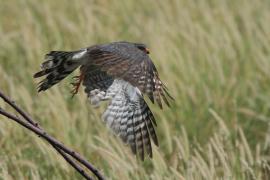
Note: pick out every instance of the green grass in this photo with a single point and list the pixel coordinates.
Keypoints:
(213, 55)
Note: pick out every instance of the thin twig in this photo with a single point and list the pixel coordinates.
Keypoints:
(54, 141)
(64, 151)
(72, 163)
(21, 112)
(28, 118)
(44, 135)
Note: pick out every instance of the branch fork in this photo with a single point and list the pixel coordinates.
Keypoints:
(74, 159)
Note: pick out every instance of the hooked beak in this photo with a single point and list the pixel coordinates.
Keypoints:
(147, 51)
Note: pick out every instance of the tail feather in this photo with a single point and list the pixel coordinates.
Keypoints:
(57, 66)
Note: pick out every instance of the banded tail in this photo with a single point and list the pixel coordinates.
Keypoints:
(57, 66)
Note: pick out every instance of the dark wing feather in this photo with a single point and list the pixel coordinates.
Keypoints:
(133, 66)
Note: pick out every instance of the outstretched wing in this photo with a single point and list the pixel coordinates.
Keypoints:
(133, 66)
(127, 114)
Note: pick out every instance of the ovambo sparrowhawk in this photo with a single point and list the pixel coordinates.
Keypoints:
(120, 72)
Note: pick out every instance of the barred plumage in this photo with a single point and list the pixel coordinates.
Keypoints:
(58, 65)
(120, 72)
(129, 117)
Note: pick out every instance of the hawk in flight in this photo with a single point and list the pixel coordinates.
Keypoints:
(120, 72)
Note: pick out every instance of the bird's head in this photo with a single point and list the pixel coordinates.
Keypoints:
(142, 47)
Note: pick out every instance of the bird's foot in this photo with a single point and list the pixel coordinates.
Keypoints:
(76, 84)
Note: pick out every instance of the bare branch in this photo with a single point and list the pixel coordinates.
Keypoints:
(60, 148)
(29, 119)
(72, 163)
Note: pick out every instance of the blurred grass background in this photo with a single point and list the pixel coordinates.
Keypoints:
(213, 55)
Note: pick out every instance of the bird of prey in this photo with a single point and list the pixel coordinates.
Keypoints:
(118, 72)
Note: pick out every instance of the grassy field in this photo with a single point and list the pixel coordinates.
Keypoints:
(213, 55)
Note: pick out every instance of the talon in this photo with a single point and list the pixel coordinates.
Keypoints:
(76, 84)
